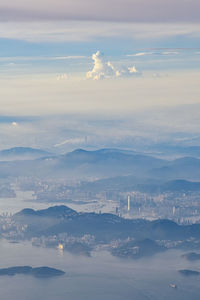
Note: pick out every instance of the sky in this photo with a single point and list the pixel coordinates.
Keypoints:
(99, 74)
(112, 10)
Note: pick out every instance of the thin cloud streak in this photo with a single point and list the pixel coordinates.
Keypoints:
(103, 70)
(71, 31)
(72, 141)
(39, 58)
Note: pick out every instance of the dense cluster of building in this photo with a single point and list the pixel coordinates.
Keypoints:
(182, 207)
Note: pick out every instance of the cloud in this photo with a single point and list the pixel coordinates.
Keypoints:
(102, 69)
(72, 141)
(73, 31)
(158, 52)
(140, 54)
(114, 10)
(40, 58)
(43, 95)
(170, 53)
(14, 124)
(61, 77)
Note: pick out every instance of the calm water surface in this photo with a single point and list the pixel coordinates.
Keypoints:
(99, 277)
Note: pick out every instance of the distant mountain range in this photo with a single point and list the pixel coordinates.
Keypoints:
(166, 150)
(184, 168)
(22, 153)
(146, 185)
(105, 163)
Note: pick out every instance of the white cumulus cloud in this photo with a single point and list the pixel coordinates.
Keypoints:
(102, 69)
(14, 124)
(61, 77)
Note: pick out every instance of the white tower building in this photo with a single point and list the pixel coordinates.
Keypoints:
(129, 203)
(174, 210)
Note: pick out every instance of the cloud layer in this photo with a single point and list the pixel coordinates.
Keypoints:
(114, 10)
(79, 31)
(102, 70)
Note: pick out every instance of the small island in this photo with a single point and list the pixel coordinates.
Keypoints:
(189, 273)
(191, 256)
(40, 272)
(137, 249)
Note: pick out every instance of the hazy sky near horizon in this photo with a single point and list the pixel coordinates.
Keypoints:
(124, 61)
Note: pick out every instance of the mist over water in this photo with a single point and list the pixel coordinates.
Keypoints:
(98, 277)
(22, 200)
(101, 276)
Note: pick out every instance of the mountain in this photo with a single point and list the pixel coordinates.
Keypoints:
(38, 220)
(61, 211)
(82, 164)
(110, 156)
(146, 185)
(191, 256)
(137, 249)
(188, 273)
(105, 227)
(22, 153)
(173, 151)
(177, 186)
(104, 163)
(180, 186)
(40, 272)
(187, 168)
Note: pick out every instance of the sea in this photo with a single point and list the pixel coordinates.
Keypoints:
(99, 277)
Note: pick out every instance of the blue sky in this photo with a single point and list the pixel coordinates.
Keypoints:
(65, 67)
(167, 46)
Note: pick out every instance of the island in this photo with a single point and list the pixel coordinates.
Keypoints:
(40, 272)
(189, 273)
(137, 249)
(191, 256)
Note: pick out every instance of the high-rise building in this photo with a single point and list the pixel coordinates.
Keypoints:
(129, 203)
(174, 210)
